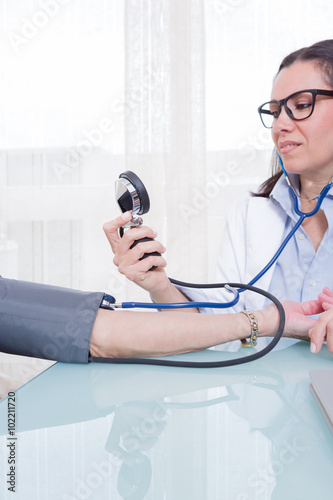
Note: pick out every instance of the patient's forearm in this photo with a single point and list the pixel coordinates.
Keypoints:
(140, 334)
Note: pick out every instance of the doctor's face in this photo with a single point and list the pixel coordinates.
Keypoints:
(306, 146)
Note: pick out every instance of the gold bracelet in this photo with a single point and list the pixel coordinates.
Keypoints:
(254, 330)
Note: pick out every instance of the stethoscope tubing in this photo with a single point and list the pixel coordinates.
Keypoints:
(236, 288)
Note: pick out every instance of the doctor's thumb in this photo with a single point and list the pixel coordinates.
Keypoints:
(111, 229)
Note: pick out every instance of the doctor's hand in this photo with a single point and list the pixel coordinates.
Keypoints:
(128, 260)
(323, 329)
(326, 298)
(129, 263)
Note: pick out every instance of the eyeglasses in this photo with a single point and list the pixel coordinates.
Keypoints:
(298, 106)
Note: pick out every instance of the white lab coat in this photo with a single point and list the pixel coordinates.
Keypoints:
(253, 233)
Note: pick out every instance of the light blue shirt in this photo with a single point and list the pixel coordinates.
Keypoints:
(301, 273)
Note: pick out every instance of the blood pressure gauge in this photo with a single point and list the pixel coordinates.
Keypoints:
(131, 194)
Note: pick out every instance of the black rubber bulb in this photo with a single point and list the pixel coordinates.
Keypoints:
(145, 255)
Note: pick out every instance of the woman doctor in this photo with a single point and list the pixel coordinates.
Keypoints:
(300, 114)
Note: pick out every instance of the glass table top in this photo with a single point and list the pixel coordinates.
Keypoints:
(104, 431)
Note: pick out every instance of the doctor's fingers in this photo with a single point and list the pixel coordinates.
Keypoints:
(323, 330)
(326, 298)
(126, 257)
(111, 229)
(130, 237)
(142, 274)
(327, 291)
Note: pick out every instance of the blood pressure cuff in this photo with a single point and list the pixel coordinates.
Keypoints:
(46, 321)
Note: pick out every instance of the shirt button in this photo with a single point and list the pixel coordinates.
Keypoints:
(312, 282)
(301, 236)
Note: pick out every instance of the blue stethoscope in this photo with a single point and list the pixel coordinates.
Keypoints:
(301, 215)
(227, 287)
(109, 302)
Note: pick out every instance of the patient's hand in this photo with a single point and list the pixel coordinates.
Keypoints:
(298, 324)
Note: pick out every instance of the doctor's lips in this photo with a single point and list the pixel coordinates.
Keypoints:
(287, 146)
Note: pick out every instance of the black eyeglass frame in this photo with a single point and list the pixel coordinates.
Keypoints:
(283, 102)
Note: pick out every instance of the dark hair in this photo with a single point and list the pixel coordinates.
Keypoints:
(320, 53)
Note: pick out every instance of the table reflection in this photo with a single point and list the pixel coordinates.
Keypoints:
(138, 432)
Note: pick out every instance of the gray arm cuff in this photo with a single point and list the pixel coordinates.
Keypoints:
(46, 321)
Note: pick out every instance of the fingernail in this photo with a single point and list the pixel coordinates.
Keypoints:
(126, 215)
(313, 348)
(155, 233)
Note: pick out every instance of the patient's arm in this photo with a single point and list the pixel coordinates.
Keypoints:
(139, 334)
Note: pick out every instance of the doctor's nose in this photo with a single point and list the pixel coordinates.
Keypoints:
(283, 122)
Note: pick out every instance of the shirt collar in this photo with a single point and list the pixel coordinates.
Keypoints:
(281, 194)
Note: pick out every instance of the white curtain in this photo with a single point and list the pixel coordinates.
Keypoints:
(165, 131)
(165, 88)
